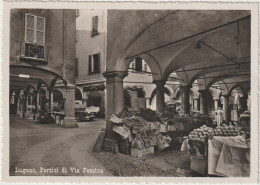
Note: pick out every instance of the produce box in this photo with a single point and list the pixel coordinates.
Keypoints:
(163, 128)
(124, 147)
(135, 152)
(110, 145)
(199, 165)
(171, 128)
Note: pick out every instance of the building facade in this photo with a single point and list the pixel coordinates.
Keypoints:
(91, 57)
(42, 61)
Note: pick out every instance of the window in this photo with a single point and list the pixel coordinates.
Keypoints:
(138, 64)
(94, 26)
(34, 29)
(94, 63)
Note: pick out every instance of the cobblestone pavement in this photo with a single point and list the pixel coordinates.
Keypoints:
(167, 164)
(47, 149)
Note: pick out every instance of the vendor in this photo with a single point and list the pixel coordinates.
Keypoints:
(219, 116)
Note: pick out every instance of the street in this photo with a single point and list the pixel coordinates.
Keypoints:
(47, 149)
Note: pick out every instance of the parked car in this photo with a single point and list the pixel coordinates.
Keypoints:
(83, 113)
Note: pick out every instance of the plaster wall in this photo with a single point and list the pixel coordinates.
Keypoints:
(60, 37)
(90, 45)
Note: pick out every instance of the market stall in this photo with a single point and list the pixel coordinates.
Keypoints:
(143, 131)
(222, 151)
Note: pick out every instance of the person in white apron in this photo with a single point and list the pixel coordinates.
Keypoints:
(219, 116)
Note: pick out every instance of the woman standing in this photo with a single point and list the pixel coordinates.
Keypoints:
(219, 115)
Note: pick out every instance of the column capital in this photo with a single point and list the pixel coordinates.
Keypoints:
(109, 74)
(159, 82)
(71, 87)
(133, 93)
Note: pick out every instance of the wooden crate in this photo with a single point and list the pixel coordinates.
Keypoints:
(110, 145)
(135, 152)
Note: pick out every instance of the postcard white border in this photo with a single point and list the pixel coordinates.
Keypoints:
(132, 5)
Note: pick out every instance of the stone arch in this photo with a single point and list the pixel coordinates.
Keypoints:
(234, 86)
(123, 65)
(54, 81)
(42, 82)
(78, 94)
(202, 84)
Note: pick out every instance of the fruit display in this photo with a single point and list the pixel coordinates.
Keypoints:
(201, 134)
(228, 131)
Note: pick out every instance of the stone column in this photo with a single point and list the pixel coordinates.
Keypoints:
(115, 100)
(226, 112)
(26, 114)
(185, 99)
(249, 102)
(37, 101)
(134, 100)
(85, 98)
(69, 108)
(203, 101)
(195, 104)
(160, 104)
(216, 103)
(51, 99)
(147, 102)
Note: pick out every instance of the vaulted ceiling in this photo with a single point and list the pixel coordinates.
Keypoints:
(197, 44)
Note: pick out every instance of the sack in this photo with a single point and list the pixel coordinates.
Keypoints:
(116, 119)
(121, 131)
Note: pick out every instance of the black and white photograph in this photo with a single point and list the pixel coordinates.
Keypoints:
(130, 92)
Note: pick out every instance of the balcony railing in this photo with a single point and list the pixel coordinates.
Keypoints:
(33, 53)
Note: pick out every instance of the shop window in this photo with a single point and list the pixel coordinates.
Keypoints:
(94, 63)
(94, 31)
(34, 29)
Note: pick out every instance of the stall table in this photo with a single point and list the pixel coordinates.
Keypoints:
(225, 156)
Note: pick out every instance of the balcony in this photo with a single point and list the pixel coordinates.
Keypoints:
(33, 53)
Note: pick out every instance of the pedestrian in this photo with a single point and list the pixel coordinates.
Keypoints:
(219, 116)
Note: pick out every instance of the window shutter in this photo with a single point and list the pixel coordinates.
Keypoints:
(89, 64)
(98, 62)
(93, 24)
(96, 23)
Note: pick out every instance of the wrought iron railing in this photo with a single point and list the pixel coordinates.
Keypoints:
(34, 53)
